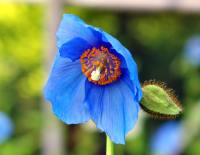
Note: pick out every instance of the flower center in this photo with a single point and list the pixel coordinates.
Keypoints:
(100, 66)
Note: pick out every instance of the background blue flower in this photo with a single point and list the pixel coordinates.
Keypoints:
(192, 50)
(6, 127)
(113, 107)
(167, 139)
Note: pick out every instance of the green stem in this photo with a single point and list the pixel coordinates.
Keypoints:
(109, 146)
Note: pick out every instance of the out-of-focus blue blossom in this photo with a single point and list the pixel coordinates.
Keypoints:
(192, 50)
(6, 127)
(93, 77)
(167, 140)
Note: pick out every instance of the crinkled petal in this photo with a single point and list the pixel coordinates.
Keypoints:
(134, 86)
(65, 89)
(124, 53)
(73, 27)
(74, 48)
(113, 108)
(119, 48)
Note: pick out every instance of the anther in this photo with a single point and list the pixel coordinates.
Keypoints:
(96, 74)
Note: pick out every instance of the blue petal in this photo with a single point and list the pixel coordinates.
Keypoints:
(113, 108)
(133, 85)
(74, 48)
(73, 27)
(66, 91)
(124, 55)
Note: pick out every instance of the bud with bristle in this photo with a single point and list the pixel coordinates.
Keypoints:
(160, 101)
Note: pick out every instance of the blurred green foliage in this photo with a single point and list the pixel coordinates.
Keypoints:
(21, 75)
(156, 41)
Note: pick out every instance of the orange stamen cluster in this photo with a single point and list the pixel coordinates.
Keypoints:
(101, 58)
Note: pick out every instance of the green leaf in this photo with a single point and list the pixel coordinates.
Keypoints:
(159, 101)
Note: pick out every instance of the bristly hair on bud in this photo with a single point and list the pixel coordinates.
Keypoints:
(159, 101)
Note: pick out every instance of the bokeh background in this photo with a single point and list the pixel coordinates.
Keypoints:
(159, 38)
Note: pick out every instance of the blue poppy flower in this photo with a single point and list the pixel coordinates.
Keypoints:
(93, 77)
(192, 50)
(6, 127)
(167, 139)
